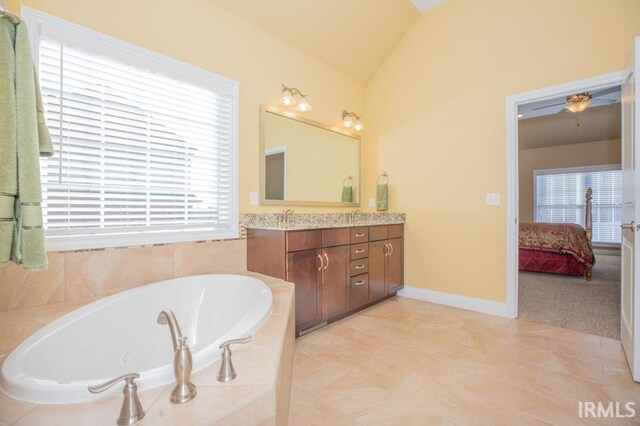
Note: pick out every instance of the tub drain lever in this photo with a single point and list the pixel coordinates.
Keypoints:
(227, 372)
(131, 410)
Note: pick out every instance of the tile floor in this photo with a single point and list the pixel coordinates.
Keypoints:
(407, 362)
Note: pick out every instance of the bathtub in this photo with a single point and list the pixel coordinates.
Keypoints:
(119, 334)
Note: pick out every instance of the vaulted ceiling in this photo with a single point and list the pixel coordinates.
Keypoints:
(354, 36)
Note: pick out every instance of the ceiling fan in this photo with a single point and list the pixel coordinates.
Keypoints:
(581, 101)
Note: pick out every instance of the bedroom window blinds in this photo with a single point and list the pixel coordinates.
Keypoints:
(560, 198)
(145, 145)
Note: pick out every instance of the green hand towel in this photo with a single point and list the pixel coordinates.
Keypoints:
(382, 197)
(23, 137)
(347, 193)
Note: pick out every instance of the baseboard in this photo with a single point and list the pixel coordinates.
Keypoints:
(448, 299)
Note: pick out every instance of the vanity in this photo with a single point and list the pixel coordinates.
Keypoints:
(340, 263)
(337, 271)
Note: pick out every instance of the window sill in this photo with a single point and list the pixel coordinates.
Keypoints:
(89, 242)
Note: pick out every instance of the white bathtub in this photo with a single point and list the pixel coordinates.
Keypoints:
(119, 334)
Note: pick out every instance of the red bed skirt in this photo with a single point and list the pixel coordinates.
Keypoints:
(552, 263)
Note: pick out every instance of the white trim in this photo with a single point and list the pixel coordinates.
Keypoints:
(581, 169)
(425, 5)
(511, 107)
(41, 23)
(456, 301)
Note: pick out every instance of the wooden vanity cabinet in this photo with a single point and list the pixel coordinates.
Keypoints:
(386, 259)
(336, 271)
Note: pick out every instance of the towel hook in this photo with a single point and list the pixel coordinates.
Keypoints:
(348, 178)
(384, 176)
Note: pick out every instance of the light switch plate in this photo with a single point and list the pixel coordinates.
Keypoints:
(493, 199)
(253, 198)
(372, 202)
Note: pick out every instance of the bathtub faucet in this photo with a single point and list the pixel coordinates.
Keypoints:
(184, 391)
(168, 317)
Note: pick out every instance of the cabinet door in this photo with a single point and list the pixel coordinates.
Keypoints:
(303, 269)
(377, 270)
(394, 265)
(335, 281)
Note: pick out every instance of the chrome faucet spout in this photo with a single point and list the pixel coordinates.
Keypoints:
(168, 317)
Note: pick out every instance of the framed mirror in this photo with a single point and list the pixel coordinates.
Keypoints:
(307, 163)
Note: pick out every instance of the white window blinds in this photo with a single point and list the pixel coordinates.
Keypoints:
(560, 199)
(142, 155)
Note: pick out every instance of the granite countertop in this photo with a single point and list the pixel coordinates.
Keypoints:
(302, 221)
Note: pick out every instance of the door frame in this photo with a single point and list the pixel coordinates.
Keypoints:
(512, 102)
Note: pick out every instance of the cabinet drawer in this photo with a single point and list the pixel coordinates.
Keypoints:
(359, 291)
(360, 266)
(335, 237)
(377, 233)
(396, 231)
(359, 251)
(303, 240)
(359, 234)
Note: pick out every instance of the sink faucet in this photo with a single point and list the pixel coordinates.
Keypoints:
(184, 391)
(168, 317)
(353, 216)
(286, 214)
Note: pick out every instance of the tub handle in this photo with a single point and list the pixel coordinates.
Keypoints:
(227, 372)
(129, 378)
(131, 410)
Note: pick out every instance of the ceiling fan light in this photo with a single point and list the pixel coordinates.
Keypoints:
(358, 126)
(578, 103)
(303, 105)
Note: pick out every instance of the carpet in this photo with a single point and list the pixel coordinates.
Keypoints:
(572, 302)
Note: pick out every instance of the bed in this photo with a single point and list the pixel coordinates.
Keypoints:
(558, 248)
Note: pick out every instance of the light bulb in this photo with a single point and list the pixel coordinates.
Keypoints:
(347, 121)
(287, 98)
(358, 126)
(303, 105)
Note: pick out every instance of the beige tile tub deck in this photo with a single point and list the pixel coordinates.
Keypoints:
(255, 396)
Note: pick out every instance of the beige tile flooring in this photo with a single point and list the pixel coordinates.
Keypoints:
(407, 362)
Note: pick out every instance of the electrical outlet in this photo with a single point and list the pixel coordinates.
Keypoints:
(372, 202)
(253, 198)
(493, 199)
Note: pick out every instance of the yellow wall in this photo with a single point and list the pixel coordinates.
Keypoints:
(201, 34)
(555, 157)
(435, 113)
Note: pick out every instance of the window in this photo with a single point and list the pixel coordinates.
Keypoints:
(145, 145)
(560, 198)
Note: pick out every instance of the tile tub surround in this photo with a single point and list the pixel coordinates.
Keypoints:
(82, 275)
(319, 220)
(259, 395)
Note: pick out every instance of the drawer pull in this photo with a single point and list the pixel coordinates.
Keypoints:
(360, 251)
(359, 266)
(359, 282)
(360, 235)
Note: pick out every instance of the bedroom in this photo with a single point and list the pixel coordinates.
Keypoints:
(569, 247)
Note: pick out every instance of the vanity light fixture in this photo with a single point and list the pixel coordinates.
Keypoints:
(288, 98)
(351, 119)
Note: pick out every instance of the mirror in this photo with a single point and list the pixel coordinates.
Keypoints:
(307, 163)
